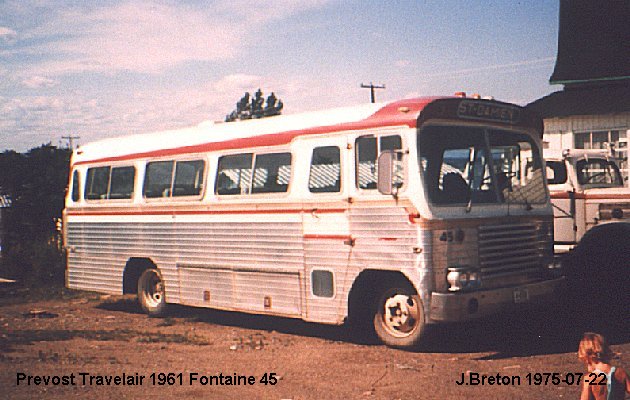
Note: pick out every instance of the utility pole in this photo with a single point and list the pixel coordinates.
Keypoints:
(70, 139)
(371, 86)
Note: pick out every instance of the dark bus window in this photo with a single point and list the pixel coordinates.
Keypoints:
(76, 192)
(188, 178)
(325, 175)
(97, 183)
(158, 179)
(234, 174)
(272, 173)
(121, 185)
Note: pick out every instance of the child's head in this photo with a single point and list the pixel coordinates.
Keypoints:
(593, 349)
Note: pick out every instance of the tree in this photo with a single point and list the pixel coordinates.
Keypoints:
(35, 182)
(254, 107)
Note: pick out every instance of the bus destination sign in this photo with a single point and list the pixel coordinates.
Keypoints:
(484, 110)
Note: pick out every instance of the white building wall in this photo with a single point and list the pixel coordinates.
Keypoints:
(560, 132)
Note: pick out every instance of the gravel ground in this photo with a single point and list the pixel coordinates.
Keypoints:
(91, 342)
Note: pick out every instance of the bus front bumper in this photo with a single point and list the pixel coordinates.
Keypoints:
(447, 307)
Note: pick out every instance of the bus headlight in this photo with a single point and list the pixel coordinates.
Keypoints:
(462, 278)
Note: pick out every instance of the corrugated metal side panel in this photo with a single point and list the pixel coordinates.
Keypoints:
(332, 255)
(99, 252)
(385, 240)
(230, 260)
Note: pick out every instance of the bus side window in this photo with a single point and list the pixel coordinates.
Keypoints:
(366, 162)
(272, 173)
(188, 178)
(393, 143)
(325, 175)
(76, 191)
(96, 183)
(121, 185)
(368, 150)
(158, 179)
(234, 174)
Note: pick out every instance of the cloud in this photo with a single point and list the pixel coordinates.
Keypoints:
(150, 37)
(7, 35)
(238, 82)
(36, 82)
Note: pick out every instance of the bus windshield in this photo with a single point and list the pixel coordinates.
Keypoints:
(476, 165)
(598, 172)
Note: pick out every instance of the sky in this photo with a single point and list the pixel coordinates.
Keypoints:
(94, 70)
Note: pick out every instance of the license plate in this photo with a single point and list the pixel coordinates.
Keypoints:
(521, 295)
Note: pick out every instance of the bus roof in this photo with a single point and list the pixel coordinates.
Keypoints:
(269, 131)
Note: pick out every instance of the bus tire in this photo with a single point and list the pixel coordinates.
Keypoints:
(399, 317)
(151, 292)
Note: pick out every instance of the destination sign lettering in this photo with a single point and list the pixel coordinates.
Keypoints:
(488, 111)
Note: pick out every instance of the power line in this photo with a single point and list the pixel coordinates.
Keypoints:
(372, 86)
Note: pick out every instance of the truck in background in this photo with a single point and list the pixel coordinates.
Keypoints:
(591, 230)
(586, 190)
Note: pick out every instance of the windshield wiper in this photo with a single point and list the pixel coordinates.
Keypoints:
(469, 204)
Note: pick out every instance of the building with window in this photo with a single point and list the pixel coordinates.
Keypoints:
(593, 63)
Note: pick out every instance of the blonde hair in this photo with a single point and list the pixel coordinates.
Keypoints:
(593, 349)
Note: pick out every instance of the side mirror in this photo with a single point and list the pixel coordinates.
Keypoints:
(386, 172)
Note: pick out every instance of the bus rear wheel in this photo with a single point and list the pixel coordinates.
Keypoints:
(151, 293)
(399, 317)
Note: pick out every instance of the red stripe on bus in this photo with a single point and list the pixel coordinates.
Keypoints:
(587, 196)
(565, 195)
(390, 115)
(201, 212)
(619, 196)
(328, 237)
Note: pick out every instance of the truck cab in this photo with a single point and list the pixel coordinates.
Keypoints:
(586, 190)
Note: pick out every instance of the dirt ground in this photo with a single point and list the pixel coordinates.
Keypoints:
(87, 340)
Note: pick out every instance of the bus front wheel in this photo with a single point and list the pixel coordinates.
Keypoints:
(151, 292)
(399, 317)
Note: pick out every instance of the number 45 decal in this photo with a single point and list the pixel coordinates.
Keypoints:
(447, 236)
(452, 236)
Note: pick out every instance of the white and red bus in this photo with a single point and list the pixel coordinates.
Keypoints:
(392, 216)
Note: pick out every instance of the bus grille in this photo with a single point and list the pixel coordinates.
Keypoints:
(506, 250)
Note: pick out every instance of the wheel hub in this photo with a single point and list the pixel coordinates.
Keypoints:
(401, 314)
(154, 290)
